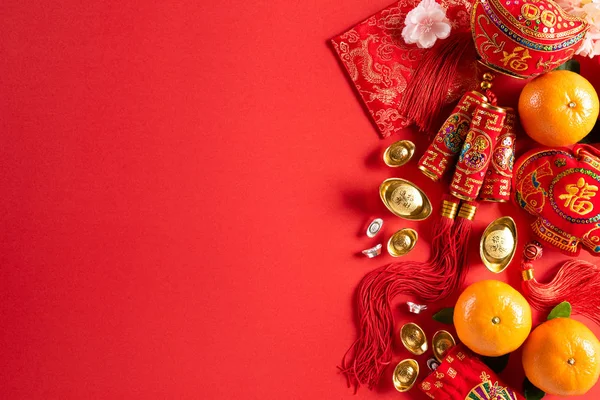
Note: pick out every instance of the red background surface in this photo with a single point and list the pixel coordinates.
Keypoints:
(184, 188)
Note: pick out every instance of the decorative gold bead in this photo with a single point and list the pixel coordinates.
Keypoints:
(485, 85)
(527, 274)
(488, 76)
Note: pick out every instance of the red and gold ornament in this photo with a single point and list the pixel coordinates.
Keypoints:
(476, 153)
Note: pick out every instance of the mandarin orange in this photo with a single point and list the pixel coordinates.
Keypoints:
(491, 318)
(558, 108)
(562, 357)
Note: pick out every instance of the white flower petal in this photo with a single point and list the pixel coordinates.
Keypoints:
(441, 30)
(426, 40)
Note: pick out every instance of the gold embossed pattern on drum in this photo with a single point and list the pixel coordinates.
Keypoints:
(405, 375)
(413, 338)
(404, 199)
(498, 244)
(399, 153)
(402, 242)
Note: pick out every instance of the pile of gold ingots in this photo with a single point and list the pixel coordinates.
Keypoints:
(406, 200)
(415, 341)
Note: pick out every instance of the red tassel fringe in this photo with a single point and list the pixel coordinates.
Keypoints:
(428, 88)
(367, 358)
(577, 282)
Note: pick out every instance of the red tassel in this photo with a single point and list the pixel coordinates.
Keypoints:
(462, 234)
(367, 358)
(426, 93)
(577, 282)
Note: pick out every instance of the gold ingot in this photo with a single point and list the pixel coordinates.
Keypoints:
(405, 199)
(405, 375)
(442, 342)
(402, 242)
(413, 338)
(399, 153)
(498, 244)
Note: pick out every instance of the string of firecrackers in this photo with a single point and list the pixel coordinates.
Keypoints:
(520, 39)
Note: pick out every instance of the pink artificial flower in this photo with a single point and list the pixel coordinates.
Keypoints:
(590, 11)
(425, 24)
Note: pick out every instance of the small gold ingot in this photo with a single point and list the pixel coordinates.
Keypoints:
(399, 153)
(498, 244)
(405, 375)
(413, 338)
(402, 242)
(404, 199)
(442, 342)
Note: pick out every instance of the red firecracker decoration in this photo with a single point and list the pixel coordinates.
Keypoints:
(443, 151)
(497, 181)
(476, 152)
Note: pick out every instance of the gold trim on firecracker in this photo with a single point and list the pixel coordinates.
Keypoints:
(405, 375)
(527, 274)
(492, 200)
(404, 199)
(494, 108)
(428, 173)
(461, 196)
(478, 94)
(449, 209)
(498, 244)
(402, 242)
(467, 211)
(399, 153)
(413, 338)
(442, 342)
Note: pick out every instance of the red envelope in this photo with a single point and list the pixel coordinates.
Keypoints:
(380, 64)
(463, 376)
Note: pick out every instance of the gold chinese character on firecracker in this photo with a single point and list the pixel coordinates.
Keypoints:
(450, 359)
(578, 196)
(452, 373)
(439, 384)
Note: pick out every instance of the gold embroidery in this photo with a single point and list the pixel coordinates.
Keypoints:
(484, 377)
(530, 11)
(489, 42)
(512, 21)
(515, 60)
(577, 196)
(548, 18)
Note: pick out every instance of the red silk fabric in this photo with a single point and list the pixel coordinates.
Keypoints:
(380, 64)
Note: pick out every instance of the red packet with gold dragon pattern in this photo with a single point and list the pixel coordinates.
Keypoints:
(380, 64)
